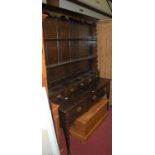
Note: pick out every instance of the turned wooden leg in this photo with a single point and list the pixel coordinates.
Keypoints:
(108, 96)
(67, 139)
(108, 101)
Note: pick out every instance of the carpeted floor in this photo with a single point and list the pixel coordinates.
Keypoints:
(100, 143)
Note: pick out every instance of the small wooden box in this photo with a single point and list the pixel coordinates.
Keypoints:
(86, 124)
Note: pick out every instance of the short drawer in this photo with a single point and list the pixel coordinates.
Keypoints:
(95, 96)
(76, 111)
(91, 79)
(70, 89)
(56, 97)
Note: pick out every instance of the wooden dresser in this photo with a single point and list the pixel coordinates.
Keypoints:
(73, 79)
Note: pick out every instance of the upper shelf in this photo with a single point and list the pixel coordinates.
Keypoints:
(72, 61)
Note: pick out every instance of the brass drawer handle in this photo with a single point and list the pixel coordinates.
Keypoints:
(79, 109)
(66, 98)
(105, 88)
(81, 84)
(89, 80)
(59, 96)
(72, 89)
(94, 97)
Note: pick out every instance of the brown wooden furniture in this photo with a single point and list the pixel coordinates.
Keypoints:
(71, 64)
(86, 124)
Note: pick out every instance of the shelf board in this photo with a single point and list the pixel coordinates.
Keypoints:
(71, 61)
(70, 39)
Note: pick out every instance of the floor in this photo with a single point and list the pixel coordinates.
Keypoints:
(100, 143)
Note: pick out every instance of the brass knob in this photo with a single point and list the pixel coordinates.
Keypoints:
(59, 96)
(66, 98)
(81, 84)
(72, 89)
(79, 109)
(94, 97)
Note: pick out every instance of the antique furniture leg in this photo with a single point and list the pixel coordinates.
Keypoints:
(108, 99)
(67, 139)
(108, 96)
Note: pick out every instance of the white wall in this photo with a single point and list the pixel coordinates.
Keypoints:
(44, 1)
(49, 140)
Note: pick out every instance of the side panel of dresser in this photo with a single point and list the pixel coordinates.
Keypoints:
(44, 75)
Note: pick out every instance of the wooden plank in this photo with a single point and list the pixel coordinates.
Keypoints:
(104, 48)
(104, 51)
(86, 124)
(75, 133)
(44, 74)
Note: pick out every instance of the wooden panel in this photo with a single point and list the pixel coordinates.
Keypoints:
(51, 52)
(93, 31)
(44, 74)
(104, 47)
(74, 48)
(64, 29)
(64, 51)
(74, 30)
(83, 66)
(53, 74)
(92, 47)
(68, 70)
(50, 28)
(83, 49)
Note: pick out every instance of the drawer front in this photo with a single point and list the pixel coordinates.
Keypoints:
(70, 89)
(96, 95)
(76, 111)
(57, 97)
(91, 79)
